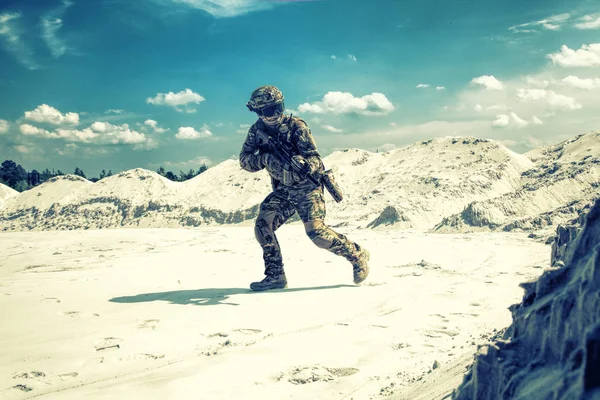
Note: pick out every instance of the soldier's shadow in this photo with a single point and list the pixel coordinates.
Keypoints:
(208, 297)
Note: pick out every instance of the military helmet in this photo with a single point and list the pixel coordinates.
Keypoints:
(266, 101)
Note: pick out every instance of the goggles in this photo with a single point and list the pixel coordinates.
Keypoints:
(269, 111)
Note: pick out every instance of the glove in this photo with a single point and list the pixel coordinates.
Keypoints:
(266, 158)
(300, 169)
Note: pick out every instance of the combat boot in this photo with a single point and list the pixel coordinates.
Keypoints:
(360, 266)
(270, 282)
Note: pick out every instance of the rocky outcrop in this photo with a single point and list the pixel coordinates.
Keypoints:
(388, 216)
(563, 182)
(552, 348)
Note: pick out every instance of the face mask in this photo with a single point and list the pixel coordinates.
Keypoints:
(272, 121)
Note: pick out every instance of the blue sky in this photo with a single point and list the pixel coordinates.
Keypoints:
(122, 84)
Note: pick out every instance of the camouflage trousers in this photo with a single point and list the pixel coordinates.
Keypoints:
(278, 207)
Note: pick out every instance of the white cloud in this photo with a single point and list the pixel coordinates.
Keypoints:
(68, 149)
(51, 24)
(346, 103)
(30, 130)
(148, 144)
(4, 125)
(554, 100)
(196, 162)
(582, 83)
(394, 124)
(422, 85)
(352, 57)
(219, 124)
(333, 57)
(189, 133)
(311, 108)
(589, 22)
(24, 149)
(12, 41)
(386, 147)
(564, 110)
(489, 81)
(227, 8)
(50, 115)
(98, 133)
(332, 128)
(154, 125)
(510, 120)
(180, 101)
(440, 87)
(531, 81)
(587, 56)
(243, 128)
(552, 23)
(114, 111)
(478, 107)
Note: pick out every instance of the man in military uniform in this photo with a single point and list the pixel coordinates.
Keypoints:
(294, 189)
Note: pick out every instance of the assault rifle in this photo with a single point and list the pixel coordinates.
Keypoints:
(291, 163)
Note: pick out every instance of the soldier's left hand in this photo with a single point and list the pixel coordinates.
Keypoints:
(300, 165)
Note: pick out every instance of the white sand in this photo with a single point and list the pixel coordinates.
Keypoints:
(176, 303)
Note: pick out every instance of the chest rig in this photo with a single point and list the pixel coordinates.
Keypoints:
(283, 134)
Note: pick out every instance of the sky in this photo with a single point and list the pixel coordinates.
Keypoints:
(122, 84)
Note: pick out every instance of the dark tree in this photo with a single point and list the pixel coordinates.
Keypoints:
(45, 175)
(171, 176)
(34, 178)
(161, 171)
(22, 186)
(12, 173)
(109, 173)
(79, 172)
(102, 174)
(202, 168)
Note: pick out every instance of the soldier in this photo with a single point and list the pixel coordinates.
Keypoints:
(294, 189)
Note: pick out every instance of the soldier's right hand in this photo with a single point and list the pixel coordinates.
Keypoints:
(270, 160)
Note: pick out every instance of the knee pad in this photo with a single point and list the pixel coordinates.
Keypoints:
(317, 232)
(263, 232)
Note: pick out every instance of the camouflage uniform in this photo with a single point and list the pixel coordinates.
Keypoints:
(303, 197)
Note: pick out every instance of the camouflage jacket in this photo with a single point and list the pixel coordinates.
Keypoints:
(296, 134)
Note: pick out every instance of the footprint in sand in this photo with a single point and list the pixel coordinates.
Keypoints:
(108, 343)
(41, 377)
(66, 377)
(29, 375)
(23, 388)
(148, 324)
(400, 346)
(69, 313)
(438, 333)
(315, 373)
(235, 338)
(440, 316)
(50, 300)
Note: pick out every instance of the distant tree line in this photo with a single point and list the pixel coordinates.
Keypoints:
(15, 176)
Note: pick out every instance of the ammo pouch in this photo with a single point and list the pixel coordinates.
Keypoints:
(331, 185)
